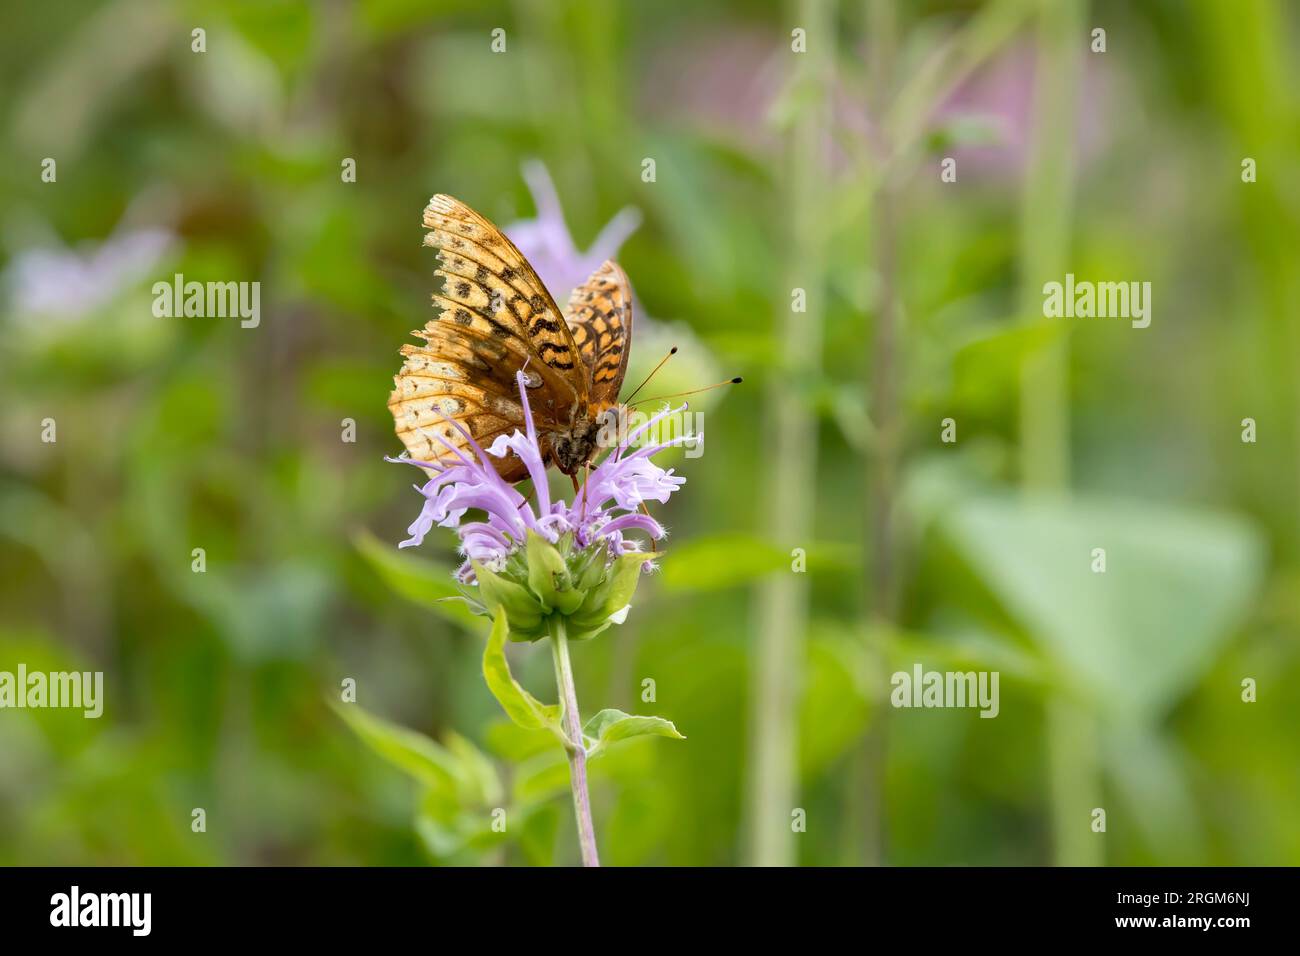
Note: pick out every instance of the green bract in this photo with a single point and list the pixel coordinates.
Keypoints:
(543, 580)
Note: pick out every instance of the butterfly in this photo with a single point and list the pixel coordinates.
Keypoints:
(495, 318)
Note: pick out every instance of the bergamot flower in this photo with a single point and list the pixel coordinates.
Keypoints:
(569, 558)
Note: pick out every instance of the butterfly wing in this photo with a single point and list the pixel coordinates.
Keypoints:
(495, 317)
(455, 378)
(600, 316)
(488, 278)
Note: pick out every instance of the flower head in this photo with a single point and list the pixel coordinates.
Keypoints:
(581, 541)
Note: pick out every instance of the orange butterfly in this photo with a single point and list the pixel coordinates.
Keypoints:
(497, 318)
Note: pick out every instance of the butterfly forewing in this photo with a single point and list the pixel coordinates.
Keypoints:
(495, 317)
(600, 316)
(489, 286)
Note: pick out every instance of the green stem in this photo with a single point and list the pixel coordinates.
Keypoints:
(573, 730)
(880, 585)
(781, 602)
(1073, 758)
(1075, 783)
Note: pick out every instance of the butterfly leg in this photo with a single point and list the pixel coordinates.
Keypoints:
(654, 546)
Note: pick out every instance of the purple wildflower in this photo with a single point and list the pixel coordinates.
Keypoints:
(1001, 94)
(604, 509)
(547, 244)
(72, 283)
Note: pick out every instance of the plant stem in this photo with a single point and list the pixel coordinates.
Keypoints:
(880, 584)
(577, 753)
(781, 601)
(1073, 759)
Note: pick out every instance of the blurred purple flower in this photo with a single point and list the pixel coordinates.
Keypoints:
(71, 284)
(734, 84)
(1000, 95)
(723, 79)
(547, 244)
(603, 510)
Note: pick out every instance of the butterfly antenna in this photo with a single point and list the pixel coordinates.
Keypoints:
(671, 352)
(695, 391)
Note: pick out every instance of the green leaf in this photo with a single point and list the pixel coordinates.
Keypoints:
(1135, 637)
(440, 836)
(969, 648)
(424, 582)
(540, 778)
(520, 706)
(717, 562)
(409, 751)
(610, 726)
(537, 841)
(454, 834)
(1152, 776)
(513, 743)
(479, 774)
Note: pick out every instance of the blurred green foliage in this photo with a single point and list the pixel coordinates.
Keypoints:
(177, 434)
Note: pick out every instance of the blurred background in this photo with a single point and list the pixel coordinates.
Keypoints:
(795, 146)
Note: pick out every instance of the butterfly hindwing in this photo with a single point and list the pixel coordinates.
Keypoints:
(435, 388)
(600, 317)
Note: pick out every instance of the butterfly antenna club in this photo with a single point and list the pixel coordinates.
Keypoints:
(695, 391)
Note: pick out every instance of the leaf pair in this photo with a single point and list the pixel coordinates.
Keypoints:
(607, 727)
(462, 794)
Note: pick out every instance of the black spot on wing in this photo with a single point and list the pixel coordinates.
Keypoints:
(550, 325)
